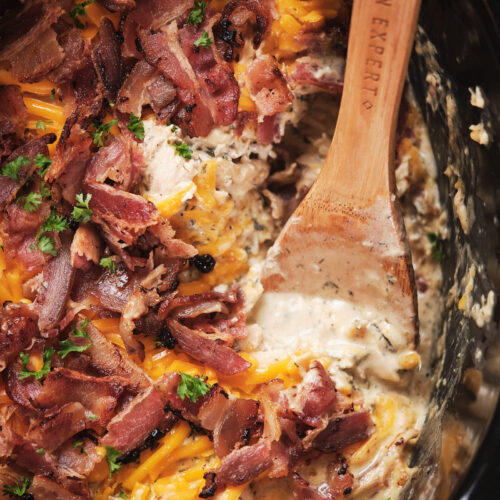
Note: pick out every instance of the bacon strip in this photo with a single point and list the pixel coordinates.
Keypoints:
(85, 248)
(156, 13)
(58, 276)
(222, 358)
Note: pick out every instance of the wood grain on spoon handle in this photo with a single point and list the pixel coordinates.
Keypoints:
(356, 167)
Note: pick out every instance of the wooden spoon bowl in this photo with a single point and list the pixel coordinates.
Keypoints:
(347, 238)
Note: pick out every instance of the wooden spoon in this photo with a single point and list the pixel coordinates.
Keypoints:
(347, 238)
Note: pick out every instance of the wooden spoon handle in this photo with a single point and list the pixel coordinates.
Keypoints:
(358, 168)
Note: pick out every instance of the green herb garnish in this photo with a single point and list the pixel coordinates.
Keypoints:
(40, 451)
(101, 134)
(41, 124)
(109, 264)
(52, 94)
(67, 346)
(112, 455)
(191, 387)
(54, 222)
(32, 201)
(79, 444)
(43, 164)
(46, 356)
(204, 40)
(81, 211)
(196, 15)
(437, 246)
(79, 10)
(136, 126)
(17, 489)
(183, 151)
(11, 169)
(46, 245)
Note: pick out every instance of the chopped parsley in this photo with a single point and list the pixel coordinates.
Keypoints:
(46, 356)
(43, 164)
(40, 451)
(52, 94)
(203, 41)
(112, 455)
(183, 151)
(11, 169)
(79, 10)
(44, 190)
(79, 444)
(196, 15)
(46, 245)
(191, 387)
(101, 134)
(437, 246)
(41, 124)
(17, 489)
(93, 417)
(122, 494)
(54, 222)
(109, 264)
(136, 126)
(32, 201)
(67, 346)
(81, 211)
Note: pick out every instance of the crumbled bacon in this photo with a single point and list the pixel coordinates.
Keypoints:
(208, 351)
(156, 13)
(29, 43)
(118, 5)
(268, 86)
(85, 247)
(134, 94)
(13, 114)
(106, 54)
(44, 487)
(58, 275)
(306, 71)
(131, 427)
(75, 55)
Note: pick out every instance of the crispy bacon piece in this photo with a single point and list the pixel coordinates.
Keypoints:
(9, 187)
(45, 488)
(13, 114)
(81, 462)
(201, 347)
(86, 247)
(235, 425)
(217, 84)
(342, 431)
(163, 50)
(21, 391)
(54, 429)
(153, 14)
(98, 395)
(106, 55)
(127, 214)
(58, 276)
(108, 360)
(306, 68)
(244, 464)
(118, 5)
(131, 427)
(70, 161)
(237, 13)
(76, 53)
(119, 161)
(29, 43)
(134, 93)
(174, 247)
(17, 331)
(268, 86)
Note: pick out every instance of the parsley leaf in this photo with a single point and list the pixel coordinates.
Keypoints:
(122, 494)
(81, 211)
(47, 245)
(43, 164)
(191, 387)
(437, 246)
(136, 126)
(204, 40)
(183, 151)
(11, 169)
(101, 134)
(67, 346)
(52, 94)
(32, 201)
(40, 451)
(196, 14)
(109, 264)
(41, 124)
(46, 356)
(79, 444)
(44, 190)
(79, 10)
(112, 455)
(54, 222)
(17, 489)
(93, 417)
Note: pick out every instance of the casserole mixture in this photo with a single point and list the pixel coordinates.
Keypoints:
(151, 151)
